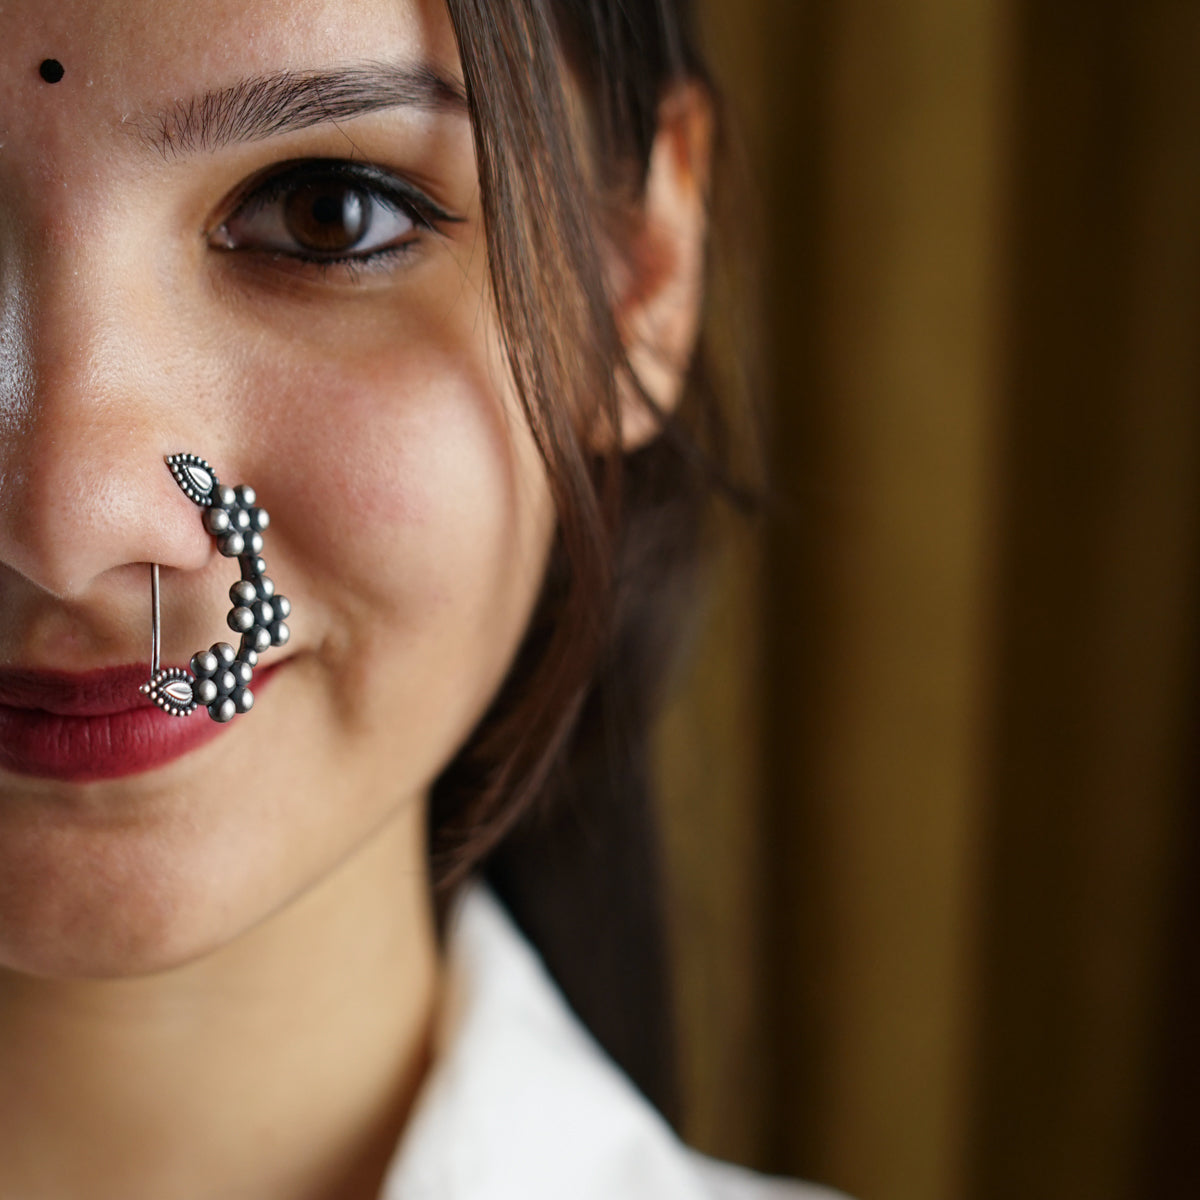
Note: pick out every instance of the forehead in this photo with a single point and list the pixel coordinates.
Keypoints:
(123, 57)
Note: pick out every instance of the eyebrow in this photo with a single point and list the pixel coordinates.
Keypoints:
(269, 105)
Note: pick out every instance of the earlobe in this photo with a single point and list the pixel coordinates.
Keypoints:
(659, 270)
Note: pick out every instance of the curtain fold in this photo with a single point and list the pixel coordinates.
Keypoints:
(931, 782)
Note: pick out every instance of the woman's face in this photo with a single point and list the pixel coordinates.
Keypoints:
(247, 229)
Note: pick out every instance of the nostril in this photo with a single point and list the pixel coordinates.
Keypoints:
(69, 514)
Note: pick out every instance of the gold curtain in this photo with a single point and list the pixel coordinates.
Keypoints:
(927, 783)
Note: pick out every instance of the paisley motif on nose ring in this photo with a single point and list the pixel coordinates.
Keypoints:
(219, 678)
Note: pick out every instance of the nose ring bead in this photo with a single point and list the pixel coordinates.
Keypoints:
(219, 677)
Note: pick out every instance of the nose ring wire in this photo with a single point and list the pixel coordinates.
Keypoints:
(155, 621)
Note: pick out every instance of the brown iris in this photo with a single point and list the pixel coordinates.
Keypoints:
(327, 216)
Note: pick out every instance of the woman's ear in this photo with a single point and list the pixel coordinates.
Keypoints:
(658, 272)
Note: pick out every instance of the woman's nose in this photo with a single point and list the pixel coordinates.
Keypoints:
(89, 406)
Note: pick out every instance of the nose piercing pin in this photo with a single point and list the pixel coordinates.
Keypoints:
(219, 679)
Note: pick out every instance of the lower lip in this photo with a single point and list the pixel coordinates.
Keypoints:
(88, 749)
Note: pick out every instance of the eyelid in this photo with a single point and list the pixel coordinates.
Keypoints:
(274, 181)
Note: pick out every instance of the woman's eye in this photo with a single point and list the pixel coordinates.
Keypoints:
(325, 214)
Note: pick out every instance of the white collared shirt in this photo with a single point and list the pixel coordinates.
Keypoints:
(522, 1104)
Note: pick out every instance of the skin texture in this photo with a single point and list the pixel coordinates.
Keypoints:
(168, 940)
(410, 527)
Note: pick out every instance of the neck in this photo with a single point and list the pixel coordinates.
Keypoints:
(280, 1067)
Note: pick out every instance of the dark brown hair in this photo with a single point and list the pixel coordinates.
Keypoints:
(552, 792)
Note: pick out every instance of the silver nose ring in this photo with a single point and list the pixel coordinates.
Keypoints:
(219, 678)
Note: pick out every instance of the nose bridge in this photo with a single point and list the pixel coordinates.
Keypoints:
(86, 421)
(81, 339)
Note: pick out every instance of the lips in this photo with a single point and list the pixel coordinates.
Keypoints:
(81, 728)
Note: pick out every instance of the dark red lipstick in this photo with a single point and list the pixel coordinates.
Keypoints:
(80, 728)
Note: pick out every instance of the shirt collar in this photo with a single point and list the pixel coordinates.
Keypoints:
(521, 1103)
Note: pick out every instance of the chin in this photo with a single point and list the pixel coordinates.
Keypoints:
(136, 945)
(112, 904)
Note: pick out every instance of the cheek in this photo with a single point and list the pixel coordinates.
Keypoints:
(402, 475)
(416, 513)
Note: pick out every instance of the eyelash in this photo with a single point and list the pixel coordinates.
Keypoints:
(379, 187)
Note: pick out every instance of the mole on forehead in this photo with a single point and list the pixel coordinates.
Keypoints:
(51, 70)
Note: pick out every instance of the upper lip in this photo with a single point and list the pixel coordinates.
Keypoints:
(75, 694)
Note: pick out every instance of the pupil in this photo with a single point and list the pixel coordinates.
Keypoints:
(327, 211)
(327, 217)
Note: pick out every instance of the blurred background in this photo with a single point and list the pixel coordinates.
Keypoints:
(931, 777)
